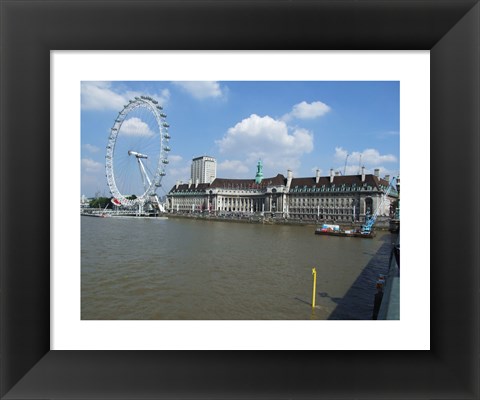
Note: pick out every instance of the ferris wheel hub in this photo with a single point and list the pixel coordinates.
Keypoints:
(136, 154)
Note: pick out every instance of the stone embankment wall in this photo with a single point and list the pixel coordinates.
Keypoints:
(382, 223)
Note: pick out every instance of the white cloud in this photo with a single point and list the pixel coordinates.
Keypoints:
(306, 110)
(201, 89)
(367, 156)
(373, 157)
(267, 139)
(136, 127)
(91, 148)
(179, 173)
(92, 166)
(173, 158)
(101, 96)
(370, 158)
(232, 169)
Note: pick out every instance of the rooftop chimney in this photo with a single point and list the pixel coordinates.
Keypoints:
(387, 178)
(376, 172)
(363, 174)
(331, 175)
(289, 178)
(317, 177)
(196, 183)
(189, 183)
(176, 184)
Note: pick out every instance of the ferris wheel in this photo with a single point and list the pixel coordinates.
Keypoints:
(137, 153)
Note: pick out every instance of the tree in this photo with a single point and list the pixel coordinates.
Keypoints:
(101, 202)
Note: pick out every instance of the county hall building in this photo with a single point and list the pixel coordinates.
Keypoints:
(333, 198)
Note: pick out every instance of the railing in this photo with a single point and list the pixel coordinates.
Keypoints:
(101, 211)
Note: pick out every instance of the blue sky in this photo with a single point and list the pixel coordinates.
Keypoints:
(297, 125)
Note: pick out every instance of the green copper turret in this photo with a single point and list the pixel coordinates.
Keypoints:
(259, 176)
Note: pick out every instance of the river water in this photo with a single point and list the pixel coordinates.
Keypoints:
(187, 269)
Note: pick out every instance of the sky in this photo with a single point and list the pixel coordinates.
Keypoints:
(298, 125)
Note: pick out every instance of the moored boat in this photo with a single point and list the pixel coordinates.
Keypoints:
(334, 230)
(97, 215)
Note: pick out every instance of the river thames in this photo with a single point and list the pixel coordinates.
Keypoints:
(187, 269)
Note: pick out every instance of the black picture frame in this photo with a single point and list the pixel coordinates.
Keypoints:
(31, 29)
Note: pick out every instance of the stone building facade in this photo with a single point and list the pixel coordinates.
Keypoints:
(333, 198)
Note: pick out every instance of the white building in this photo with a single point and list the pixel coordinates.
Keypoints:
(84, 201)
(329, 199)
(203, 169)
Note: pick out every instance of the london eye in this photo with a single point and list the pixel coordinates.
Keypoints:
(137, 154)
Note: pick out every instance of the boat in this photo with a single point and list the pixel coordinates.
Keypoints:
(334, 230)
(96, 215)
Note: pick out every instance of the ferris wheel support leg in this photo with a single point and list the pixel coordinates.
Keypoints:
(146, 181)
(161, 208)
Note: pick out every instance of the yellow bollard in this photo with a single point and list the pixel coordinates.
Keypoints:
(314, 273)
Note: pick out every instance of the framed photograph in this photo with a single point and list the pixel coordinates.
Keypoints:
(39, 190)
(222, 292)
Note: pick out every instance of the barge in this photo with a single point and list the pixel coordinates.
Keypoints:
(334, 230)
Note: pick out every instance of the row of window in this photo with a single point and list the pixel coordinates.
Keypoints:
(332, 188)
(188, 202)
(317, 202)
(292, 202)
(340, 211)
(340, 218)
(229, 200)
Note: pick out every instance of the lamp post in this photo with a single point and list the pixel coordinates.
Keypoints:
(398, 191)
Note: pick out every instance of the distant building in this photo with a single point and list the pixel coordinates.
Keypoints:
(333, 198)
(84, 201)
(204, 169)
